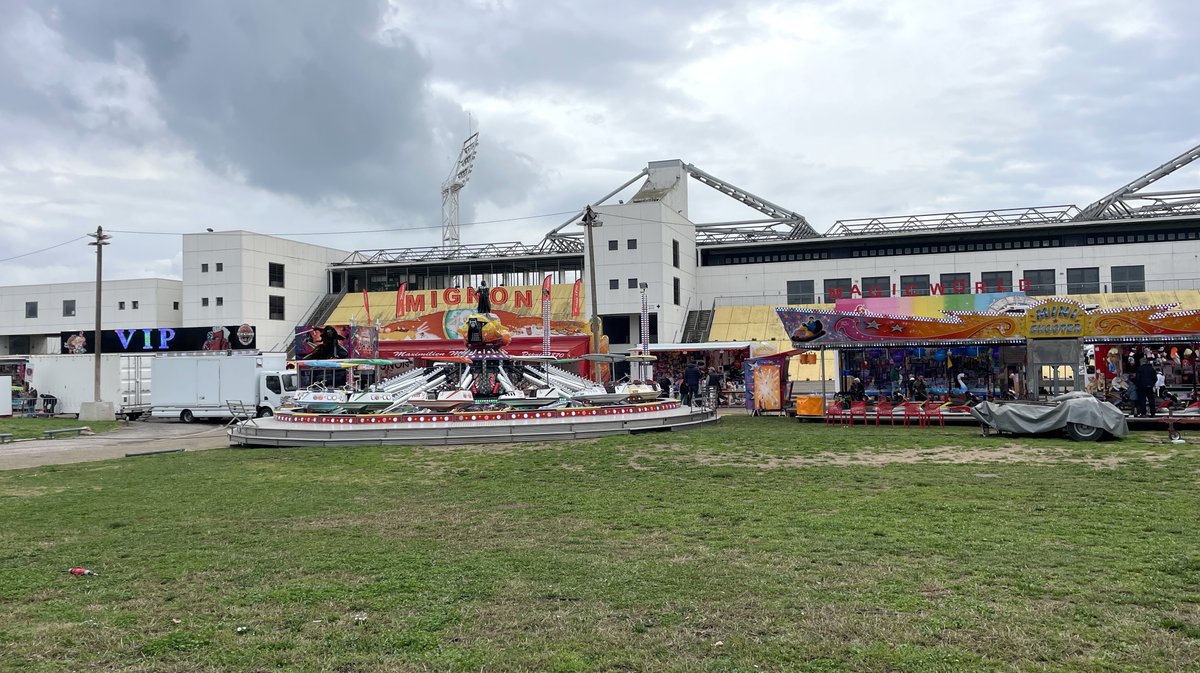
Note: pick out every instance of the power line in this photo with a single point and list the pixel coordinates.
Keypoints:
(34, 252)
(362, 231)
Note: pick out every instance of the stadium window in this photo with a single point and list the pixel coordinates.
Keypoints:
(31, 309)
(174, 306)
(1083, 280)
(1091, 240)
(925, 250)
(275, 308)
(68, 308)
(675, 253)
(800, 292)
(996, 281)
(220, 301)
(1159, 237)
(134, 304)
(956, 283)
(1054, 243)
(1120, 239)
(613, 244)
(204, 301)
(914, 286)
(631, 244)
(1039, 282)
(275, 275)
(837, 288)
(675, 291)
(854, 253)
(1141, 238)
(614, 284)
(632, 283)
(990, 246)
(1172, 236)
(943, 248)
(877, 286)
(204, 268)
(1111, 239)
(1008, 245)
(1129, 279)
(120, 306)
(220, 266)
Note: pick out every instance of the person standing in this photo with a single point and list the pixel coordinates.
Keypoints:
(1145, 379)
(691, 383)
(664, 384)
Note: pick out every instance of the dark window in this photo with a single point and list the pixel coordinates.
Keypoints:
(1129, 279)
(614, 284)
(204, 301)
(204, 268)
(613, 243)
(631, 244)
(996, 281)
(68, 308)
(220, 266)
(800, 292)
(273, 385)
(632, 283)
(120, 306)
(275, 308)
(31, 309)
(275, 275)
(877, 286)
(1039, 282)
(837, 288)
(956, 283)
(675, 292)
(1083, 281)
(133, 304)
(914, 286)
(220, 301)
(175, 305)
(675, 254)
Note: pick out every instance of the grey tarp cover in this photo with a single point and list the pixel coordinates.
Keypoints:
(1078, 407)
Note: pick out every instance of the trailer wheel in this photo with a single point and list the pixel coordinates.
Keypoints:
(1174, 435)
(1082, 432)
(133, 415)
(264, 412)
(187, 416)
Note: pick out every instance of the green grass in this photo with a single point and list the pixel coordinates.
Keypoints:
(760, 544)
(25, 428)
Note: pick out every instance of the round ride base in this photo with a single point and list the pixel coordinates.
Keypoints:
(466, 427)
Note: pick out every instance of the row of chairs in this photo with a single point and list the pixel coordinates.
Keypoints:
(923, 413)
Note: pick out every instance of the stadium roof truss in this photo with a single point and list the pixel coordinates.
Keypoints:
(973, 219)
(780, 224)
(461, 253)
(1130, 202)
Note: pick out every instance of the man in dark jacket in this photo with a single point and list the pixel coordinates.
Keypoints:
(1146, 377)
(691, 383)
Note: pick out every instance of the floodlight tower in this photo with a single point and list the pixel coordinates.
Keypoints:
(452, 186)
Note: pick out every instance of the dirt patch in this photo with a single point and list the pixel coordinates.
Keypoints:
(29, 491)
(951, 455)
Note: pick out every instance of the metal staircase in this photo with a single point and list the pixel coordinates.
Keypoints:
(697, 326)
(317, 315)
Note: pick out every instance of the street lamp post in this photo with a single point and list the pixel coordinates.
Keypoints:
(590, 222)
(100, 242)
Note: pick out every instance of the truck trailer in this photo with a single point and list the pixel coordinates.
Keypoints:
(201, 385)
(70, 379)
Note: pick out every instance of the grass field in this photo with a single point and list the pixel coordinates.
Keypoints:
(756, 545)
(27, 428)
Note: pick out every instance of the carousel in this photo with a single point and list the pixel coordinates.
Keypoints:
(479, 395)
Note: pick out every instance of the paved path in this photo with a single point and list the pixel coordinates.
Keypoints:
(149, 435)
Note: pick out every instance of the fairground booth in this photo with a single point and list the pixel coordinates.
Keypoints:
(1037, 349)
(421, 325)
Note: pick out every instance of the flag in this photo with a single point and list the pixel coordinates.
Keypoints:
(400, 291)
(575, 298)
(546, 288)
(367, 305)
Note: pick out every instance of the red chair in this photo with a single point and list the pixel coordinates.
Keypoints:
(858, 409)
(934, 410)
(833, 412)
(914, 410)
(883, 409)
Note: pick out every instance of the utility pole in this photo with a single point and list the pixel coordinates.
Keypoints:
(590, 222)
(100, 242)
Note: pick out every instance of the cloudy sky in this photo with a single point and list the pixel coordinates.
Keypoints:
(335, 122)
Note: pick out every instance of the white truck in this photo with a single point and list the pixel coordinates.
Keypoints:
(200, 385)
(124, 381)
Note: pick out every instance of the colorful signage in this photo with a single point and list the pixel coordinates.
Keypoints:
(1044, 319)
(162, 339)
